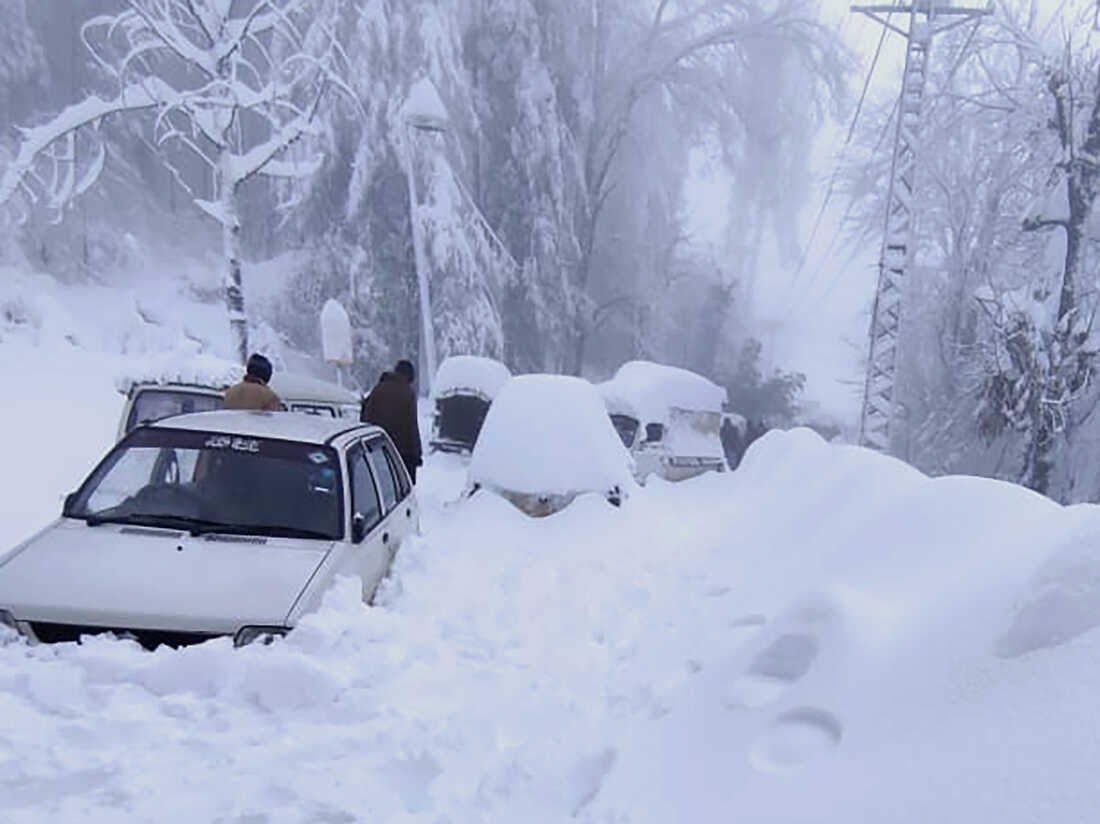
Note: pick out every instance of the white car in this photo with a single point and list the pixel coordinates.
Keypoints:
(669, 418)
(148, 401)
(216, 523)
(547, 439)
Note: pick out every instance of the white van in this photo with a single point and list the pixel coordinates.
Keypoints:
(199, 387)
(669, 418)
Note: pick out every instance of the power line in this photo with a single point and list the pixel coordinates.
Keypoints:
(804, 296)
(843, 150)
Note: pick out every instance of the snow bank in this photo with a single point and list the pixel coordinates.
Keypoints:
(483, 376)
(825, 635)
(647, 391)
(549, 434)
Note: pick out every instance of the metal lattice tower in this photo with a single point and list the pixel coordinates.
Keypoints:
(881, 421)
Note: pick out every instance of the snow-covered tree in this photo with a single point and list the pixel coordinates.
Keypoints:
(228, 91)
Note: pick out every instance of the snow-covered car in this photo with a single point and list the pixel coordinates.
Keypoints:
(669, 418)
(462, 392)
(216, 523)
(199, 386)
(546, 440)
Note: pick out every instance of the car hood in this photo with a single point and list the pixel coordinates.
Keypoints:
(134, 577)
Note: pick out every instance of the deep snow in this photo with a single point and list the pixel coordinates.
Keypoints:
(823, 635)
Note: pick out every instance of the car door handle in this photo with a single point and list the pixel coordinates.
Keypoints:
(385, 537)
(408, 512)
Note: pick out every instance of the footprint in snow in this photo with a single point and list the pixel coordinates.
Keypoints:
(773, 671)
(796, 738)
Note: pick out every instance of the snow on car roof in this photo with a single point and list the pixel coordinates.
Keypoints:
(649, 390)
(484, 376)
(285, 426)
(549, 434)
(216, 373)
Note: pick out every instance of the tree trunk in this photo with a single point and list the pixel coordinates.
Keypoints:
(231, 250)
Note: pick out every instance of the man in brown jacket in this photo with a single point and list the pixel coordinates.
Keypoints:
(392, 406)
(253, 392)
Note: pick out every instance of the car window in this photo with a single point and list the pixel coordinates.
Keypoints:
(152, 405)
(221, 482)
(313, 409)
(397, 466)
(627, 427)
(383, 472)
(364, 496)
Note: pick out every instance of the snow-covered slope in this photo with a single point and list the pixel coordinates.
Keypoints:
(822, 636)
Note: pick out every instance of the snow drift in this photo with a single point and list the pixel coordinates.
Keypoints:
(823, 635)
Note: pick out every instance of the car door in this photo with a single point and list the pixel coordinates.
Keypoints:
(408, 520)
(369, 556)
(393, 484)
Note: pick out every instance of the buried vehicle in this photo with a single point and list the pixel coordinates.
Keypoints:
(546, 440)
(669, 418)
(198, 386)
(462, 392)
(224, 523)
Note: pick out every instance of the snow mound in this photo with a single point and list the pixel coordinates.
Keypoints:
(549, 434)
(648, 391)
(483, 376)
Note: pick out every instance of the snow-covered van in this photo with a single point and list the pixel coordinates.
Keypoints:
(229, 523)
(546, 441)
(158, 391)
(669, 418)
(462, 392)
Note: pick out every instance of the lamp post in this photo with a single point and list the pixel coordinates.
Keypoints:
(423, 111)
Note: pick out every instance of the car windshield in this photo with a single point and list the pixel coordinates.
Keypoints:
(152, 405)
(212, 482)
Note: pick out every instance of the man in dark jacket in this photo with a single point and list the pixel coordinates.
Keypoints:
(392, 406)
(253, 392)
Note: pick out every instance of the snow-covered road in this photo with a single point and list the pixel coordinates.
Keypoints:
(824, 635)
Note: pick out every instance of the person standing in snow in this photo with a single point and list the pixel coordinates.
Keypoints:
(253, 392)
(392, 406)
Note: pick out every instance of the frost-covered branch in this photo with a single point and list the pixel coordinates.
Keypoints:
(148, 94)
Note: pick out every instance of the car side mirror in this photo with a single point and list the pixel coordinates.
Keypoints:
(654, 432)
(358, 528)
(67, 505)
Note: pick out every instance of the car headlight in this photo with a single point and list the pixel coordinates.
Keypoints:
(264, 635)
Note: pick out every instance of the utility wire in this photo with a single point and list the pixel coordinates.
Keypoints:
(843, 150)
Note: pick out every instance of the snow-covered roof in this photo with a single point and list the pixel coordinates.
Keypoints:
(549, 434)
(470, 373)
(216, 373)
(649, 391)
(280, 425)
(199, 370)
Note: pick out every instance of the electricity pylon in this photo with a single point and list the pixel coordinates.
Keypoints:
(881, 422)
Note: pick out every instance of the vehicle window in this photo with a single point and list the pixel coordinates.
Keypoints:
(397, 467)
(380, 465)
(217, 483)
(627, 427)
(152, 405)
(364, 495)
(313, 409)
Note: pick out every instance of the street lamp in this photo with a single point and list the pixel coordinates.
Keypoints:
(423, 111)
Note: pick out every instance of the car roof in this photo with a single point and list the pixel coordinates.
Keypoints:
(287, 426)
(288, 386)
